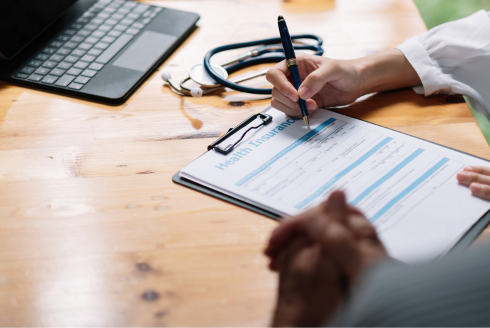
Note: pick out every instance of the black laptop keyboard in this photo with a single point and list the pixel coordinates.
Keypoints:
(80, 51)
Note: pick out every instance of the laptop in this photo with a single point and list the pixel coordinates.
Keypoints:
(97, 49)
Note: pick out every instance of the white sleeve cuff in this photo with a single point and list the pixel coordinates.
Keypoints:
(433, 79)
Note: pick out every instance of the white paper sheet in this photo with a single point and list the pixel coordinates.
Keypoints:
(407, 187)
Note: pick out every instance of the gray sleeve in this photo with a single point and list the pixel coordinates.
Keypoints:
(454, 291)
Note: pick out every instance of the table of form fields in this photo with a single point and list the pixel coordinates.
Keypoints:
(382, 176)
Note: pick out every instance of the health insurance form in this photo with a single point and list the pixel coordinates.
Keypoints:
(407, 187)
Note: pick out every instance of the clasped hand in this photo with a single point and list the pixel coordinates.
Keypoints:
(320, 255)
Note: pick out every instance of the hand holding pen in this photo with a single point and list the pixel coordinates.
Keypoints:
(326, 83)
(329, 82)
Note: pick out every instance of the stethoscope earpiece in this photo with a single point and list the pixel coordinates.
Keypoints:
(196, 92)
(166, 76)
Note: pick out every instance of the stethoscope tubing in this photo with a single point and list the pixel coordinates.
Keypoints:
(261, 59)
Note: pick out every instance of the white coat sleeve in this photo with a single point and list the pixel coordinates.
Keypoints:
(453, 58)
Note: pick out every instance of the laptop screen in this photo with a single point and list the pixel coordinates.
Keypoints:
(22, 20)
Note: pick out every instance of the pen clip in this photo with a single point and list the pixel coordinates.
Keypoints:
(225, 150)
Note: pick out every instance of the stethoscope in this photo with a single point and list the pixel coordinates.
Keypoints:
(212, 77)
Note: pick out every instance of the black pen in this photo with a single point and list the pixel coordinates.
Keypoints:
(287, 45)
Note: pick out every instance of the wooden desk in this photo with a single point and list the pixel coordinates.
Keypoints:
(94, 232)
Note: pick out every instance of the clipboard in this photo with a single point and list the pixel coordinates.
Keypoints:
(465, 242)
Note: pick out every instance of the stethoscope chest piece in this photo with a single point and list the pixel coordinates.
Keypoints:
(199, 75)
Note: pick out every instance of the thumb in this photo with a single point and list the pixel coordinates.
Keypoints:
(317, 79)
(332, 211)
(336, 207)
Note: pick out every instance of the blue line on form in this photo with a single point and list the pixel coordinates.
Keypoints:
(387, 176)
(327, 185)
(407, 190)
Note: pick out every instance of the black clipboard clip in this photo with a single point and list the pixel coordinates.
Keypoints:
(225, 150)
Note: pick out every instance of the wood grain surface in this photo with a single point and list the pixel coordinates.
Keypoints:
(92, 230)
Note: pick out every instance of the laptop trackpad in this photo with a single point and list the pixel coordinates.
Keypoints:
(147, 49)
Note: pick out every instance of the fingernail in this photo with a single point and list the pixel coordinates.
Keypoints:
(304, 92)
(475, 187)
(311, 106)
(469, 169)
(293, 97)
(462, 176)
